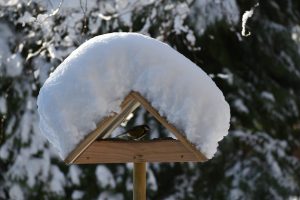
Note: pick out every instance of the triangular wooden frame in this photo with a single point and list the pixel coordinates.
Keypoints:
(92, 151)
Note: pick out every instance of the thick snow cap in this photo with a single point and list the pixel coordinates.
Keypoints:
(92, 82)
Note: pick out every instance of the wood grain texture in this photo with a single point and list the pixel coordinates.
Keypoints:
(111, 151)
(105, 127)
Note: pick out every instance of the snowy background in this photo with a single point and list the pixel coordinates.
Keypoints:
(259, 75)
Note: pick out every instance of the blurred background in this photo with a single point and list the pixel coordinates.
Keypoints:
(259, 76)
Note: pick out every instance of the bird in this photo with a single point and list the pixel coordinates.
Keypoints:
(135, 133)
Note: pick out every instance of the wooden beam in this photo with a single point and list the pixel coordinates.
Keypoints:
(119, 151)
(105, 127)
(169, 126)
(139, 181)
(116, 121)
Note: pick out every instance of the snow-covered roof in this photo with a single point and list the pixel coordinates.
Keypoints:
(93, 81)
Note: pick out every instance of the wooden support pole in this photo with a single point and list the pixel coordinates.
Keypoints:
(139, 181)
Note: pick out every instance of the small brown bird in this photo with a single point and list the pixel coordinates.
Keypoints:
(135, 133)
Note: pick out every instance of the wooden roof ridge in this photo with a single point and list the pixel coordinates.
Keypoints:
(89, 150)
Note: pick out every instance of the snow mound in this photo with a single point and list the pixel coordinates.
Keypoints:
(92, 82)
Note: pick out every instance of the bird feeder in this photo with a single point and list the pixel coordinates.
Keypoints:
(94, 149)
(106, 79)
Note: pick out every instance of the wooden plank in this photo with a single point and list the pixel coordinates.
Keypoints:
(105, 127)
(129, 108)
(88, 140)
(119, 151)
(169, 126)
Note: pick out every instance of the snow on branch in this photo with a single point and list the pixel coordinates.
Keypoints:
(42, 17)
(245, 18)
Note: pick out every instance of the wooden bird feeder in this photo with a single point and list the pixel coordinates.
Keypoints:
(96, 149)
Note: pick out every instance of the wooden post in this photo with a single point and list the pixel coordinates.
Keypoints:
(139, 181)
